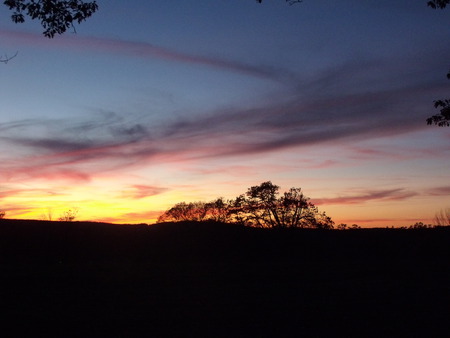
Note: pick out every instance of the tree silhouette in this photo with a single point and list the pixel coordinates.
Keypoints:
(194, 211)
(56, 16)
(442, 119)
(262, 207)
(5, 59)
(442, 218)
(69, 215)
(216, 210)
(438, 3)
(420, 225)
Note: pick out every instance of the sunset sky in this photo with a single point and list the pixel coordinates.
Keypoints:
(152, 103)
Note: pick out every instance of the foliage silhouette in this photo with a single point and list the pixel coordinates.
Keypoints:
(442, 119)
(216, 210)
(69, 215)
(344, 226)
(260, 207)
(56, 16)
(2, 214)
(438, 4)
(442, 218)
(421, 225)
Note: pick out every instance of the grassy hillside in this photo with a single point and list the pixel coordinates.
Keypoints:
(215, 280)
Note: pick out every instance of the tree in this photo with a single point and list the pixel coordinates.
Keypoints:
(438, 3)
(5, 59)
(263, 207)
(183, 212)
(442, 119)
(48, 216)
(260, 207)
(2, 214)
(442, 218)
(56, 16)
(69, 215)
(216, 210)
(420, 225)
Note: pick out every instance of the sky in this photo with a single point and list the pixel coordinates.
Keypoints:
(151, 103)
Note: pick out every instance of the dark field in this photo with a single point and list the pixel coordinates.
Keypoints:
(214, 280)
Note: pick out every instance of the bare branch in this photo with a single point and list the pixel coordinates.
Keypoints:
(7, 58)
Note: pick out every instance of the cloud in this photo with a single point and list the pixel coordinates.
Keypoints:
(134, 217)
(345, 104)
(363, 197)
(147, 50)
(27, 192)
(439, 191)
(139, 191)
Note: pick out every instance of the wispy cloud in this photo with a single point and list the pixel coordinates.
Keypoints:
(30, 192)
(147, 50)
(439, 191)
(139, 191)
(346, 105)
(133, 217)
(366, 196)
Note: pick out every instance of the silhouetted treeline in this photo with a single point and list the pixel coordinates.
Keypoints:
(261, 206)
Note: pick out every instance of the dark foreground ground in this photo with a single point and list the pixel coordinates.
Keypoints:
(212, 280)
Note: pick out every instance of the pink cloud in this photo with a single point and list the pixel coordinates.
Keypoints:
(26, 191)
(134, 217)
(146, 51)
(138, 191)
(440, 191)
(385, 195)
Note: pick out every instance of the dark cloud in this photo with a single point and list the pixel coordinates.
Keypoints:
(440, 191)
(383, 195)
(52, 144)
(150, 51)
(132, 133)
(352, 102)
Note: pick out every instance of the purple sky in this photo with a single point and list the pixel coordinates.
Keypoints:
(153, 102)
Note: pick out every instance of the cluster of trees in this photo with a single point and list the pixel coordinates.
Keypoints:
(344, 226)
(441, 219)
(419, 225)
(261, 206)
(66, 216)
